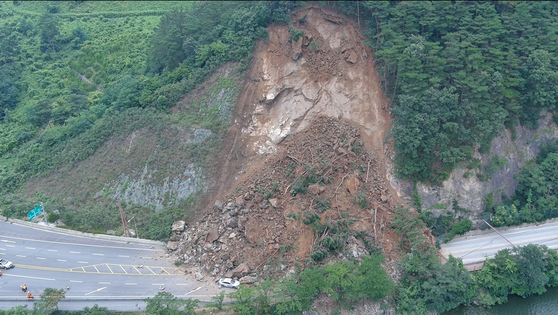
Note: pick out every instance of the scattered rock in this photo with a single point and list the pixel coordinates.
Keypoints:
(273, 202)
(233, 222)
(239, 201)
(172, 245)
(351, 57)
(218, 205)
(351, 184)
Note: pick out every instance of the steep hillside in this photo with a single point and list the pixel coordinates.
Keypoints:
(304, 169)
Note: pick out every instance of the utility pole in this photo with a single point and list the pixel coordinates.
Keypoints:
(499, 234)
(135, 225)
(124, 222)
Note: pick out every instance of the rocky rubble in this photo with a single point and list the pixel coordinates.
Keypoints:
(254, 231)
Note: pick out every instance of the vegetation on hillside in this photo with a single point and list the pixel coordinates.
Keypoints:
(457, 72)
(76, 74)
(535, 195)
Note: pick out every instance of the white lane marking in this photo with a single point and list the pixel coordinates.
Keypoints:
(129, 283)
(76, 281)
(21, 256)
(182, 284)
(2, 249)
(95, 291)
(104, 282)
(10, 245)
(82, 262)
(196, 289)
(157, 284)
(52, 250)
(30, 248)
(117, 245)
(63, 260)
(6, 241)
(75, 252)
(125, 256)
(37, 278)
(97, 254)
(41, 258)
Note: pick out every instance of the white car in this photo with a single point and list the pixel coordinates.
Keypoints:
(6, 264)
(229, 283)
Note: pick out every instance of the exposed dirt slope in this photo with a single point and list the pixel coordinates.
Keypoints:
(306, 144)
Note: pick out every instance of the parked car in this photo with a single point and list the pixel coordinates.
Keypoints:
(229, 283)
(6, 264)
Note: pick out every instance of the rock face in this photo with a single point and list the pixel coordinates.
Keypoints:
(468, 190)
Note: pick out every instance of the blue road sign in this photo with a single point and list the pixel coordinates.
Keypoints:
(35, 212)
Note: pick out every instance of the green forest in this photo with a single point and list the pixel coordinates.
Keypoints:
(455, 73)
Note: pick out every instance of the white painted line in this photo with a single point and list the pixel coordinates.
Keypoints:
(104, 282)
(95, 291)
(63, 260)
(75, 252)
(41, 258)
(37, 278)
(52, 250)
(82, 262)
(76, 281)
(10, 245)
(30, 248)
(21, 256)
(196, 289)
(2, 249)
(182, 284)
(6, 241)
(96, 254)
(128, 283)
(158, 284)
(123, 256)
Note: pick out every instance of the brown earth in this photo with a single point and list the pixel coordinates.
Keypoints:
(307, 137)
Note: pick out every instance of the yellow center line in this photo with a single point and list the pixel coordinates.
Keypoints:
(96, 269)
(151, 270)
(163, 269)
(136, 269)
(123, 269)
(109, 268)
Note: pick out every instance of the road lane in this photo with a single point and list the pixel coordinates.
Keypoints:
(472, 249)
(97, 271)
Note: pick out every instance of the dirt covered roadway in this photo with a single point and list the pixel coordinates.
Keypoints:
(304, 172)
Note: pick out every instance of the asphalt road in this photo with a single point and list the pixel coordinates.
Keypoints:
(117, 273)
(473, 249)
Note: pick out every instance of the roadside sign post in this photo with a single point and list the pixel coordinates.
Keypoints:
(44, 213)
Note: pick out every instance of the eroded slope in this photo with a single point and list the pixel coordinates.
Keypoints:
(304, 167)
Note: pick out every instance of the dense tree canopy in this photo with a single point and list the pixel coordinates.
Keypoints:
(498, 60)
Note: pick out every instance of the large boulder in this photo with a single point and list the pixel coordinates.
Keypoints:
(241, 271)
(178, 226)
(251, 233)
(213, 234)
